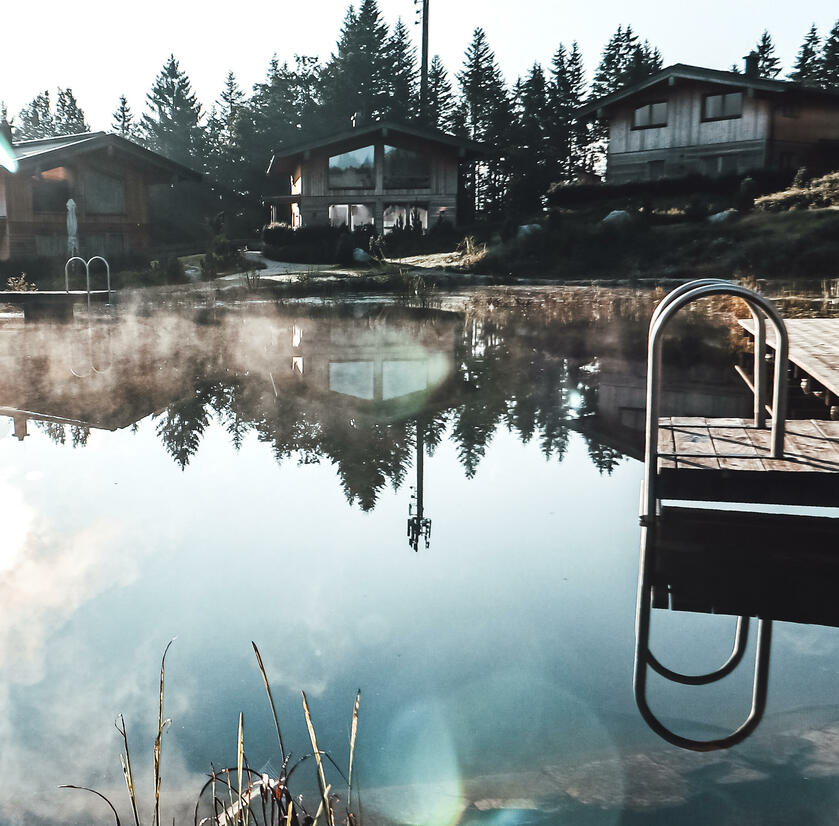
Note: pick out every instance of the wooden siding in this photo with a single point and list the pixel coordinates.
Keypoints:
(685, 126)
(25, 225)
(771, 132)
(440, 197)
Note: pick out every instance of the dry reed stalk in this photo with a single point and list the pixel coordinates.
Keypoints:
(270, 697)
(321, 777)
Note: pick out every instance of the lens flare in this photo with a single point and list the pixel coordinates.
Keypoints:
(7, 156)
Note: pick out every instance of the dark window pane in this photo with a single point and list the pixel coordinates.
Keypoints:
(733, 105)
(104, 194)
(659, 114)
(406, 170)
(642, 116)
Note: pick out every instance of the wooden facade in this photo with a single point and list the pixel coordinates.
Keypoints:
(107, 177)
(686, 120)
(306, 192)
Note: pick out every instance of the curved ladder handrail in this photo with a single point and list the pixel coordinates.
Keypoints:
(756, 303)
(759, 378)
(67, 272)
(741, 639)
(107, 271)
(644, 658)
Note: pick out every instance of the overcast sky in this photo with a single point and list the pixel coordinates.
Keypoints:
(103, 49)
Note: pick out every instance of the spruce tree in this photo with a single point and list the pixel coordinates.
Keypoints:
(486, 115)
(580, 155)
(36, 119)
(567, 138)
(529, 165)
(768, 65)
(123, 120)
(355, 81)
(69, 118)
(222, 155)
(172, 124)
(275, 115)
(440, 104)
(403, 91)
(808, 68)
(830, 59)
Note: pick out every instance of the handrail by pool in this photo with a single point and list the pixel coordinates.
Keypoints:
(644, 659)
(687, 294)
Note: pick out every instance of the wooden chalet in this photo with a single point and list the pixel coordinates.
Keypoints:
(383, 174)
(686, 119)
(106, 176)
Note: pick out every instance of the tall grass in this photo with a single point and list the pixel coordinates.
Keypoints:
(238, 795)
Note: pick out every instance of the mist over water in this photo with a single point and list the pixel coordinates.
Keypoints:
(246, 473)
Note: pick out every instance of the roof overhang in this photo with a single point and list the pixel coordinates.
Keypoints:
(33, 156)
(673, 75)
(287, 157)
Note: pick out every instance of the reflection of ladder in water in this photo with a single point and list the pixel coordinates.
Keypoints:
(698, 451)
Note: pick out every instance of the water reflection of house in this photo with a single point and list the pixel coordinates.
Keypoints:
(107, 177)
(383, 370)
(384, 174)
(621, 400)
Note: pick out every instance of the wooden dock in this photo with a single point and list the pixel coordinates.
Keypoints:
(730, 460)
(52, 304)
(813, 349)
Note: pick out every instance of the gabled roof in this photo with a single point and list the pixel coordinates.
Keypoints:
(377, 129)
(38, 153)
(682, 71)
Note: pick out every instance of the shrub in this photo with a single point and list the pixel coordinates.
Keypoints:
(19, 284)
(745, 200)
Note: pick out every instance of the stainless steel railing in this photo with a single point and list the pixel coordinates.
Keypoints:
(760, 308)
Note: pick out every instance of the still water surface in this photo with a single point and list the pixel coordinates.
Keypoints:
(249, 474)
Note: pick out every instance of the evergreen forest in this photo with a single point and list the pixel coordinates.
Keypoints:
(373, 73)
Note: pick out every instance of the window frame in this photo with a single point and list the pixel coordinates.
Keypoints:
(705, 98)
(649, 105)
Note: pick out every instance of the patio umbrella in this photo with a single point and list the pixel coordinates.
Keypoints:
(72, 229)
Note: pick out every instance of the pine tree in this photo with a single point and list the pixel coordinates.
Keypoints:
(69, 118)
(36, 120)
(403, 83)
(276, 113)
(830, 59)
(530, 160)
(580, 155)
(768, 65)
(485, 115)
(355, 82)
(222, 156)
(440, 104)
(567, 138)
(808, 68)
(123, 120)
(172, 124)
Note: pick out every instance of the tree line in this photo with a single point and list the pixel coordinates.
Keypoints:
(529, 126)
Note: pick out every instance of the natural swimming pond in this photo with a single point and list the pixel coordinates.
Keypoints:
(256, 472)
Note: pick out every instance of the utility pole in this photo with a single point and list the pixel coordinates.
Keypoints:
(424, 68)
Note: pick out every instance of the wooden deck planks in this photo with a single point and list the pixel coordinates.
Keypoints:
(813, 346)
(735, 445)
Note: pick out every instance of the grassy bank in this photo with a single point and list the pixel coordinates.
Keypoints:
(802, 243)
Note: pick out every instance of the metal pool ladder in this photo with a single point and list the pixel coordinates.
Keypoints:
(761, 309)
(86, 265)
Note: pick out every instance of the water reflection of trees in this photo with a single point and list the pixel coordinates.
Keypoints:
(505, 377)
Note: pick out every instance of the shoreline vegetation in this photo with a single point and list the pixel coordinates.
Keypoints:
(239, 795)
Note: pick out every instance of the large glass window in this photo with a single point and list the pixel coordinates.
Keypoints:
(404, 216)
(104, 194)
(716, 107)
(353, 170)
(649, 115)
(405, 169)
(352, 216)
